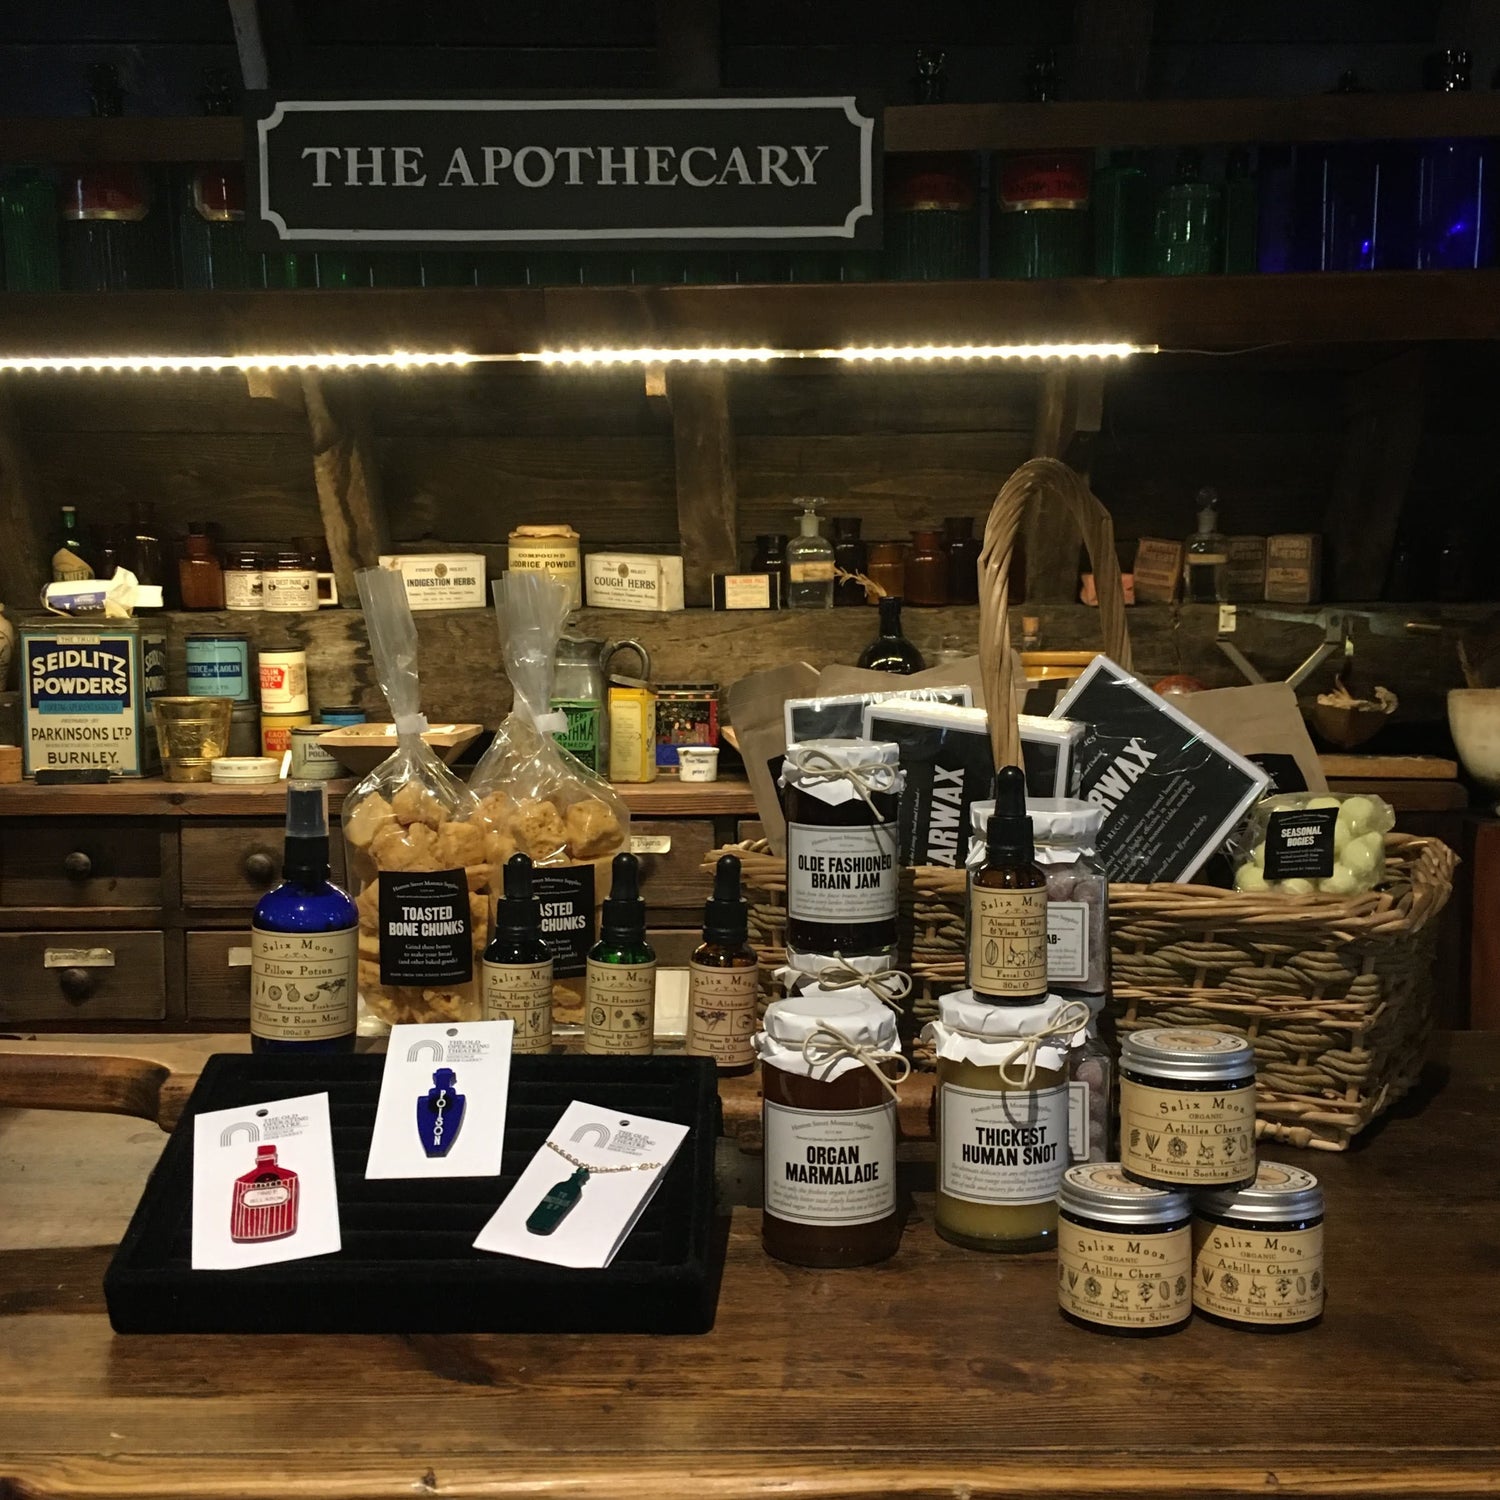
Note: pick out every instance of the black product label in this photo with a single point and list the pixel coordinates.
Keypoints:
(425, 935)
(567, 897)
(1286, 775)
(947, 771)
(1299, 845)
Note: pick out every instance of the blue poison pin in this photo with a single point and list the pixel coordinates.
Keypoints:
(440, 1113)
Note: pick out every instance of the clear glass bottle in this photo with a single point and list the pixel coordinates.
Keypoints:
(1207, 553)
(304, 942)
(211, 246)
(890, 651)
(809, 562)
(148, 558)
(1453, 229)
(1065, 830)
(1189, 221)
(28, 212)
(199, 575)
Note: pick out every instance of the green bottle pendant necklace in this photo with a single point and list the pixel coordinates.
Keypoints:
(561, 1199)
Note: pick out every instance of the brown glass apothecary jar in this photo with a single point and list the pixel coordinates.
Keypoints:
(926, 570)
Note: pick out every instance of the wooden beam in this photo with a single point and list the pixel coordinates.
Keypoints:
(703, 444)
(24, 566)
(348, 480)
(1070, 403)
(1386, 407)
(1111, 48)
(687, 44)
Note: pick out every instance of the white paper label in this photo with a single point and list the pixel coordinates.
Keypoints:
(841, 874)
(302, 985)
(462, 1066)
(650, 843)
(239, 958)
(628, 1156)
(1078, 1121)
(1067, 942)
(263, 1184)
(78, 958)
(830, 1167)
(1003, 1147)
(747, 591)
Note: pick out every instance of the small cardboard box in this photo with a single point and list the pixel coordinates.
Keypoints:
(645, 581)
(1294, 568)
(747, 590)
(1245, 572)
(440, 580)
(1158, 570)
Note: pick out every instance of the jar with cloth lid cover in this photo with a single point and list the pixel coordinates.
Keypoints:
(830, 1062)
(1002, 1118)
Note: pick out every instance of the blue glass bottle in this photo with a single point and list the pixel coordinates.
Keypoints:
(1453, 232)
(304, 942)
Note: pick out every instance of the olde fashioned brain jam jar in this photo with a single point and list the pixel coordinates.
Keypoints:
(829, 1114)
(1187, 1108)
(842, 801)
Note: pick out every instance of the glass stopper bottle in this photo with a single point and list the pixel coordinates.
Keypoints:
(304, 942)
(1207, 553)
(890, 651)
(809, 562)
(211, 207)
(1189, 221)
(723, 977)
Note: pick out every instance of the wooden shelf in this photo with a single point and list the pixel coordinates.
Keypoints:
(1189, 313)
(153, 797)
(940, 127)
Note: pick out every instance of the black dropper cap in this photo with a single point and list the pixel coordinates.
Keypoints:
(1007, 836)
(624, 915)
(520, 913)
(726, 914)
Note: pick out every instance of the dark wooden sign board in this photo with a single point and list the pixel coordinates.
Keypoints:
(707, 173)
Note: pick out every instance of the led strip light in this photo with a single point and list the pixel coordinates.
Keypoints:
(404, 359)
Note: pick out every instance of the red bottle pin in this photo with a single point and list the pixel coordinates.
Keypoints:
(265, 1201)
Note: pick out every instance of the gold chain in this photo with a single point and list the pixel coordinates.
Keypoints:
(634, 1166)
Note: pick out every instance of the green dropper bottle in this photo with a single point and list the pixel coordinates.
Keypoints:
(1008, 904)
(516, 976)
(619, 1008)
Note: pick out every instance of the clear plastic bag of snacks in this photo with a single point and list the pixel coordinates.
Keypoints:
(1299, 843)
(535, 798)
(415, 846)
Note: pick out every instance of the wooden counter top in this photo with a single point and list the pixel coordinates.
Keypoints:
(941, 1373)
(153, 797)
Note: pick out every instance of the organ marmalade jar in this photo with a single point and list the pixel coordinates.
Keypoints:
(830, 1060)
(1258, 1252)
(1187, 1108)
(842, 800)
(1002, 1118)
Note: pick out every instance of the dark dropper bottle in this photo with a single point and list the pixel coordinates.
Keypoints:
(517, 969)
(619, 1012)
(1008, 904)
(723, 977)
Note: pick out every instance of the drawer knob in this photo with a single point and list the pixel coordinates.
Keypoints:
(77, 984)
(260, 868)
(78, 866)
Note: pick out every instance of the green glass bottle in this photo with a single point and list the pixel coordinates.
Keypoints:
(1122, 217)
(1041, 225)
(1189, 221)
(338, 270)
(619, 1008)
(28, 224)
(1241, 216)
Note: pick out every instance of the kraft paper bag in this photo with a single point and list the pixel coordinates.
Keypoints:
(755, 706)
(1261, 721)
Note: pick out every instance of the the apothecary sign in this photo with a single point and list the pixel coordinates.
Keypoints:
(576, 173)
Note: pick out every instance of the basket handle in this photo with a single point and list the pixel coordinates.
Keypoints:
(1049, 481)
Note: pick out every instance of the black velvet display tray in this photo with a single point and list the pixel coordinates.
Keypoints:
(408, 1264)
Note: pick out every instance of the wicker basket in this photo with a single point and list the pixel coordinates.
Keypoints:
(1334, 992)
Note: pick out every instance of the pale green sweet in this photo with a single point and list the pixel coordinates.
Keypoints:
(1295, 887)
(1363, 855)
(1343, 882)
(1357, 815)
(1318, 802)
(1251, 877)
(1258, 855)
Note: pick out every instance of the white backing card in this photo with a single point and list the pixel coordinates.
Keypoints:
(611, 1202)
(263, 1184)
(477, 1053)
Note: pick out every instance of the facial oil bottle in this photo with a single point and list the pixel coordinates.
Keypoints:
(619, 1008)
(304, 942)
(1008, 904)
(723, 978)
(516, 980)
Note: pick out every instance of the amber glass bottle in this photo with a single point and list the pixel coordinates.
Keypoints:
(1008, 904)
(723, 977)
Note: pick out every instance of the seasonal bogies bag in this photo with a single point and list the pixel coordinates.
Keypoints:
(415, 845)
(536, 798)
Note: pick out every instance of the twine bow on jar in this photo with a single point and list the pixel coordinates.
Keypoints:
(1062, 1026)
(826, 1045)
(814, 765)
(888, 985)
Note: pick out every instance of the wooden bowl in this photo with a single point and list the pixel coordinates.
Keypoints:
(1347, 728)
(359, 748)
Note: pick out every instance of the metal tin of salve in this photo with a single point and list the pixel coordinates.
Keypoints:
(218, 666)
(310, 761)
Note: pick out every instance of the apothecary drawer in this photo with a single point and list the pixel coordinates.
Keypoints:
(84, 862)
(83, 976)
(218, 976)
(671, 852)
(233, 864)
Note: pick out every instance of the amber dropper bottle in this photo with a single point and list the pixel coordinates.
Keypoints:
(1008, 904)
(723, 977)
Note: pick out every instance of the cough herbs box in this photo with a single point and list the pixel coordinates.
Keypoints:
(87, 695)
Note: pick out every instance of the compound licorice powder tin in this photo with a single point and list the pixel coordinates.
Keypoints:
(1187, 1108)
(1258, 1252)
